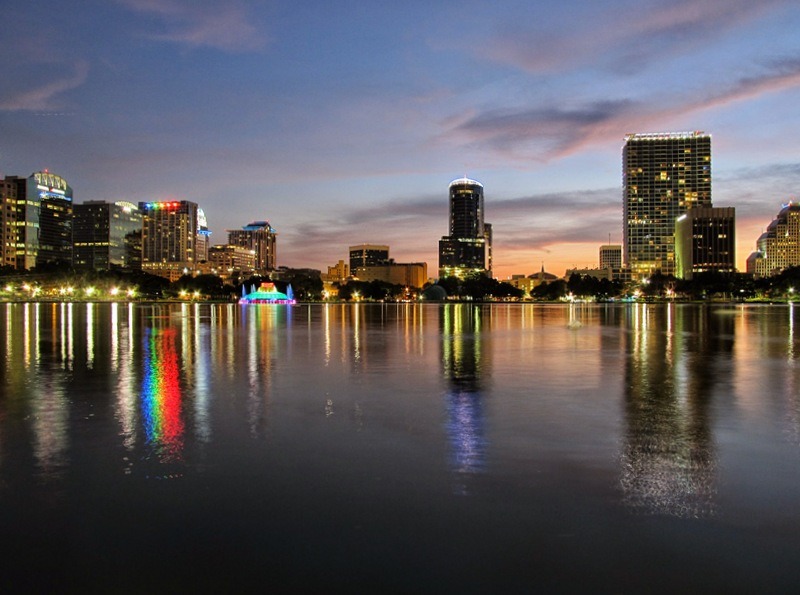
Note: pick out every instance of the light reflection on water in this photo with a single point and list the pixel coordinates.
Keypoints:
(556, 415)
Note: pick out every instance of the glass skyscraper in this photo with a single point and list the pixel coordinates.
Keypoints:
(466, 249)
(663, 176)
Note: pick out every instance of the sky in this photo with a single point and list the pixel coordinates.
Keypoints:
(344, 122)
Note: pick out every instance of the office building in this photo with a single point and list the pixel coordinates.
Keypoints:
(228, 259)
(169, 238)
(610, 256)
(203, 237)
(43, 219)
(412, 274)
(467, 248)
(368, 255)
(106, 235)
(260, 237)
(337, 273)
(705, 241)
(664, 175)
(8, 224)
(779, 246)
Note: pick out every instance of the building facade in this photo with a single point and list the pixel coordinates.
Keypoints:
(467, 248)
(368, 255)
(106, 235)
(705, 241)
(412, 274)
(228, 259)
(779, 246)
(8, 224)
(260, 237)
(42, 221)
(169, 238)
(610, 256)
(203, 237)
(664, 175)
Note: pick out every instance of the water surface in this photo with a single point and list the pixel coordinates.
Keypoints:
(473, 448)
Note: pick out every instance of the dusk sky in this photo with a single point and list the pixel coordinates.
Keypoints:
(344, 122)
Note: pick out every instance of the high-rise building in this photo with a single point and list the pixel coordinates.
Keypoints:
(8, 224)
(779, 246)
(106, 235)
(664, 175)
(368, 255)
(203, 237)
(260, 237)
(467, 248)
(43, 219)
(169, 238)
(705, 241)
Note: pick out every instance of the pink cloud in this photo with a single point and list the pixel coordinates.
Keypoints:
(225, 26)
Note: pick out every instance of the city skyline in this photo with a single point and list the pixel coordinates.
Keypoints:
(343, 125)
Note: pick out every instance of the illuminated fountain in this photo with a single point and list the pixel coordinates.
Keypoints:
(266, 294)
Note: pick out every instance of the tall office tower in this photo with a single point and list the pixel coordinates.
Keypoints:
(8, 224)
(203, 237)
(106, 235)
(260, 237)
(611, 256)
(169, 238)
(778, 247)
(663, 176)
(43, 220)
(705, 241)
(466, 249)
(368, 255)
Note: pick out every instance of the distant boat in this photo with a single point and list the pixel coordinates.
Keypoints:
(265, 294)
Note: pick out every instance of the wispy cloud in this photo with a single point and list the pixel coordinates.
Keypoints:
(550, 132)
(226, 26)
(44, 97)
(529, 227)
(647, 31)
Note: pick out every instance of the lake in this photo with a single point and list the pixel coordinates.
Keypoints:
(619, 448)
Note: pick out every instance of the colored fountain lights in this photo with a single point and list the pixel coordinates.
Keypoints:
(267, 294)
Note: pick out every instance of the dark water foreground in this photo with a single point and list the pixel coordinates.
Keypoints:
(399, 448)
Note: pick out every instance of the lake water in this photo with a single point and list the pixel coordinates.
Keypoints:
(400, 448)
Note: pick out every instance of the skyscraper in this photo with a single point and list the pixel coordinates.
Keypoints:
(260, 237)
(466, 249)
(106, 235)
(43, 219)
(169, 238)
(664, 175)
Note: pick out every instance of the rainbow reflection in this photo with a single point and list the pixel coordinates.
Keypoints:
(161, 394)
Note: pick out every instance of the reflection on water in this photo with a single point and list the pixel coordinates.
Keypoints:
(171, 376)
(668, 460)
(462, 358)
(161, 394)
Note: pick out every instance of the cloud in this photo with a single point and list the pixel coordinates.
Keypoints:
(45, 97)
(525, 227)
(647, 31)
(224, 26)
(551, 132)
